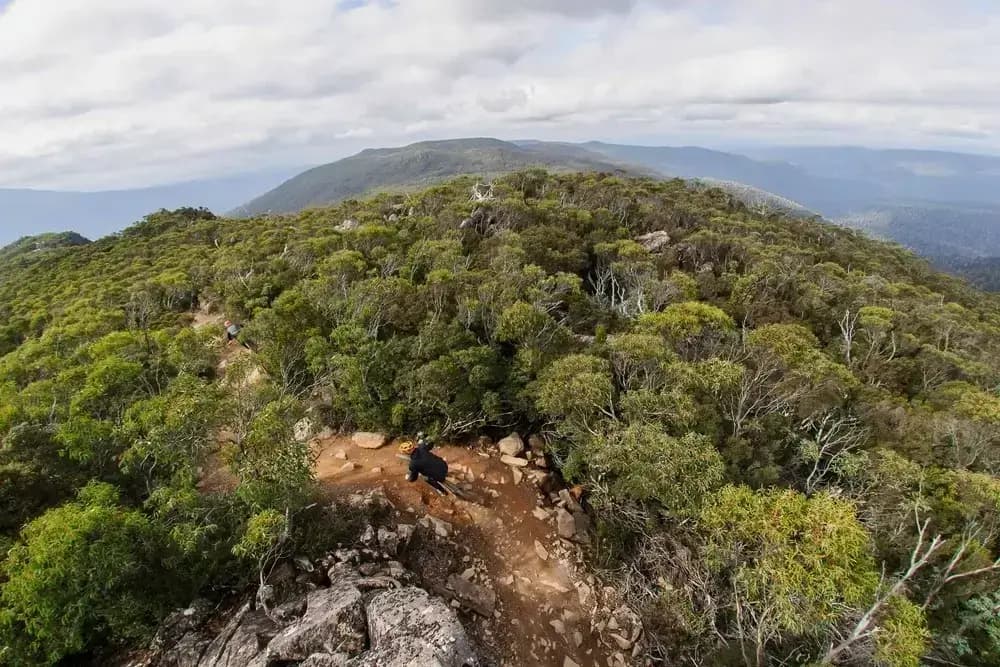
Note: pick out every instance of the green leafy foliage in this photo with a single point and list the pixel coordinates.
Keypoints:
(699, 389)
(85, 572)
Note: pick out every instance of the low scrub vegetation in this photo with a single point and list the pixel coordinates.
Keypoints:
(788, 433)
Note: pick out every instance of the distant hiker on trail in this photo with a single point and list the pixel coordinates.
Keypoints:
(233, 334)
(432, 467)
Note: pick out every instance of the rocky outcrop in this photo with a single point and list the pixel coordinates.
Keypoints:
(654, 241)
(242, 642)
(354, 607)
(478, 598)
(334, 621)
(348, 225)
(409, 627)
(304, 429)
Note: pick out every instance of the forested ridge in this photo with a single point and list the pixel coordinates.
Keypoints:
(788, 433)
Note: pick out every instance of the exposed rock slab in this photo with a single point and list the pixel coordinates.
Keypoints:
(241, 643)
(478, 598)
(327, 660)
(407, 626)
(334, 622)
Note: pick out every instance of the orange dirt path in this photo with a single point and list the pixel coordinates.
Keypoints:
(497, 528)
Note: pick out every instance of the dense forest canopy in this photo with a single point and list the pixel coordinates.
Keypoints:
(789, 433)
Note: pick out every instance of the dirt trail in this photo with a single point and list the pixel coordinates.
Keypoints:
(545, 601)
(544, 605)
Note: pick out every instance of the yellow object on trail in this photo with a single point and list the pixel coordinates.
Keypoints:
(406, 447)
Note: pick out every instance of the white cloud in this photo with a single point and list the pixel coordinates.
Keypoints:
(111, 93)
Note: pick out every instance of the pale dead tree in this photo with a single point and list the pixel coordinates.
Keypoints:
(971, 536)
(482, 192)
(867, 625)
(881, 345)
(970, 443)
(754, 620)
(244, 276)
(140, 309)
(848, 328)
(622, 286)
(831, 439)
(759, 392)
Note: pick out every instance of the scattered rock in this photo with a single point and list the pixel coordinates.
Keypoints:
(541, 551)
(558, 626)
(477, 598)
(304, 564)
(366, 440)
(514, 461)
(585, 593)
(441, 528)
(537, 443)
(180, 623)
(518, 475)
(347, 467)
(304, 429)
(569, 662)
(348, 225)
(242, 641)
(340, 454)
(334, 621)
(565, 524)
(405, 532)
(186, 652)
(569, 501)
(407, 627)
(484, 441)
(325, 434)
(326, 660)
(389, 541)
(512, 445)
(540, 513)
(582, 522)
(377, 471)
(289, 611)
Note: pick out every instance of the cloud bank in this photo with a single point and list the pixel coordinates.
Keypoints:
(121, 93)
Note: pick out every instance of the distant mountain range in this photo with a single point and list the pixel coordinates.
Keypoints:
(94, 214)
(943, 205)
(417, 165)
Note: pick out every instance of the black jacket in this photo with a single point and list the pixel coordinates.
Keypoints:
(431, 466)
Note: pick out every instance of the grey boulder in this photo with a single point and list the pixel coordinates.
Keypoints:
(407, 626)
(334, 622)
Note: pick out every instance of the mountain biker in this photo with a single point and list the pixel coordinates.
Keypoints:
(433, 468)
(233, 334)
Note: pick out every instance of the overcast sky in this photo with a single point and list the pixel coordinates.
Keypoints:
(122, 93)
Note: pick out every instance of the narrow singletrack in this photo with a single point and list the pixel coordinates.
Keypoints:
(545, 600)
